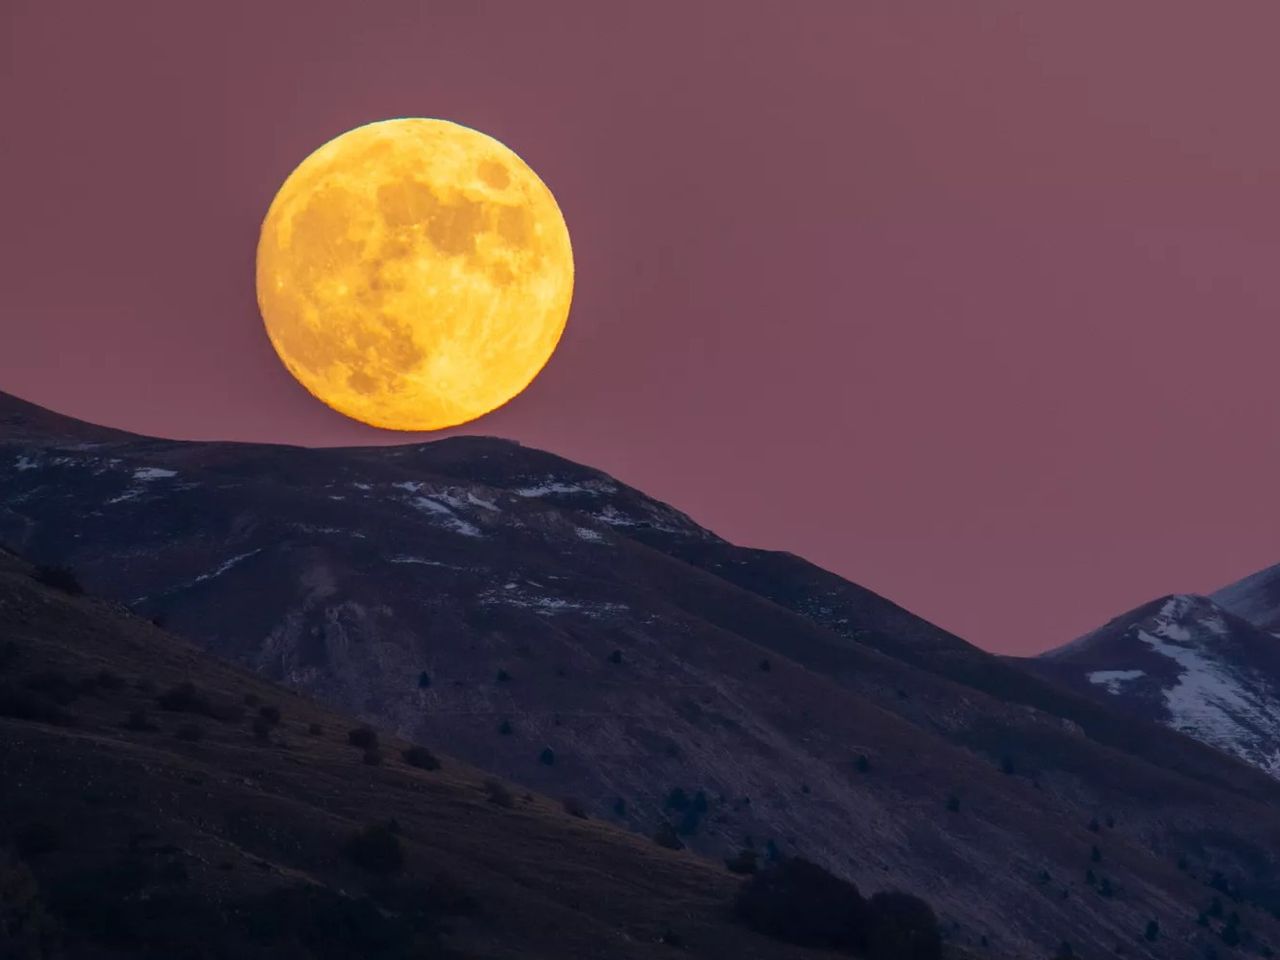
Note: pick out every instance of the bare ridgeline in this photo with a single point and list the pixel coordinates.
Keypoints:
(471, 698)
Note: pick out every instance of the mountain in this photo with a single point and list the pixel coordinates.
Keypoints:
(1191, 663)
(539, 619)
(156, 802)
(1256, 598)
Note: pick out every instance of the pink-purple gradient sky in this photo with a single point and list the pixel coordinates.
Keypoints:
(973, 303)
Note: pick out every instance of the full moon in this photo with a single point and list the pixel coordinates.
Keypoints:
(414, 274)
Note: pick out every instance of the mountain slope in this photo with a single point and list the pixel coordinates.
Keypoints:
(155, 832)
(1187, 661)
(1256, 598)
(544, 621)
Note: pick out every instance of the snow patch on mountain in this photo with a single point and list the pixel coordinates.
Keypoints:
(514, 595)
(153, 473)
(446, 516)
(224, 566)
(551, 486)
(1114, 680)
(1221, 703)
(423, 561)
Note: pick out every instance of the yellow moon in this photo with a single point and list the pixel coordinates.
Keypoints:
(414, 274)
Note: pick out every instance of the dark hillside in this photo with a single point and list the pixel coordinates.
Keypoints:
(145, 818)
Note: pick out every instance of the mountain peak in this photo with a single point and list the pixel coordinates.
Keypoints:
(1256, 598)
(1187, 660)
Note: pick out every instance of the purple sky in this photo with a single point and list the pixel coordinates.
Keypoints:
(972, 303)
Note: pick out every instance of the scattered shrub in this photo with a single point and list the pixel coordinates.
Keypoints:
(574, 808)
(108, 680)
(372, 757)
(251, 700)
(745, 862)
(671, 939)
(505, 728)
(189, 731)
(59, 577)
(766, 666)
(677, 799)
(496, 792)
(615, 657)
(376, 849)
(311, 921)
(1006, 765)
(186, 698)
(548, 756)
(620, 807)
(863, 764)
(953, 803)
(261, 730)
(315, 729)
(666, 836)
(56, 686)
(1230, 935)
(363, 737)
(689, 823)
(424, 680)
(10, 653)
(271, 714)
(140, 721)
(901, 927)
(420, 757)
(26, 930)
(801, 903)
(1095, 855)
(35, 840)
(502, 677)
(1152, 933)
(26, 705)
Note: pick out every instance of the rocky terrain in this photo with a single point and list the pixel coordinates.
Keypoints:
(541, 620)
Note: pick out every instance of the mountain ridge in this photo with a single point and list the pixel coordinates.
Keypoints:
(1192, 663)
(555, 626)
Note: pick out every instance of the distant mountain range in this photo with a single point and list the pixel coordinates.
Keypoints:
(1208, 667)
(543, 621)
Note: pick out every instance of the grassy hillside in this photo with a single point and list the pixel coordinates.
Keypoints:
(156, 802)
